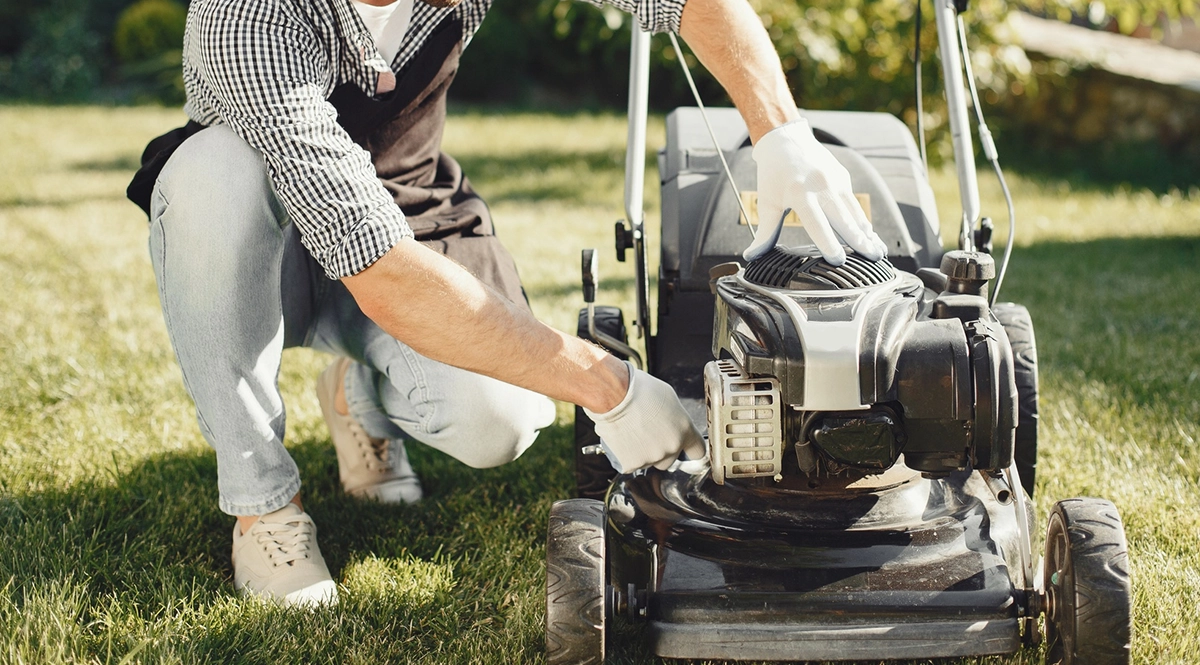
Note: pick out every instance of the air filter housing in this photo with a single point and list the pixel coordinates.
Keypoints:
(745, 433)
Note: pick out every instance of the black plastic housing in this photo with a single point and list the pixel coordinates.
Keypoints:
(948, 383)
(907, 567)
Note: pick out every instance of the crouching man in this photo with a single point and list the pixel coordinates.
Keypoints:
(308, 203)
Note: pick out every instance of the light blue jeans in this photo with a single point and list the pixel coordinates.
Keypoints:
(237, 287)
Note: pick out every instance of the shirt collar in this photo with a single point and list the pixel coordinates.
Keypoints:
(365, 63)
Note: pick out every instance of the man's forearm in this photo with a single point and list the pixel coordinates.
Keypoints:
(440, 310)
(730, 41)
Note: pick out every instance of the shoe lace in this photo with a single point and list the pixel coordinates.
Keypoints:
(285, 542)
(377, 449)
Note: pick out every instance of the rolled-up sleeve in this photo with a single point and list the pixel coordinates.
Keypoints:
(652, 15)
(266, 76)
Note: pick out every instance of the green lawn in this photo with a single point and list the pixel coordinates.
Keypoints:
(114, 550)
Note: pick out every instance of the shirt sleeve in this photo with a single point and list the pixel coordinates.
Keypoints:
(267, 77)
(652, 15)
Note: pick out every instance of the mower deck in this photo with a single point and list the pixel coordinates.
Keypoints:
(892, 566)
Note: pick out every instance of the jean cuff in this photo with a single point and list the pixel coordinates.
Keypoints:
(269, 504)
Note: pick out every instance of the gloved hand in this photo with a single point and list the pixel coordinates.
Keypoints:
(796, 172)
(648, 428)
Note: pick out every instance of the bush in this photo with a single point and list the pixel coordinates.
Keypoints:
(15, 17)
(148, 29)
(148, 39)
(57, 50)
(837, 54)
(568, 53)
(59, 61)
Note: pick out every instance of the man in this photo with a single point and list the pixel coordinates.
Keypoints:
(308, 203)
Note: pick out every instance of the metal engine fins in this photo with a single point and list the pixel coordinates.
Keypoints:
(788, 268)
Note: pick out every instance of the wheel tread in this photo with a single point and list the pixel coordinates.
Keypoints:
(575, 558)
(1018, 327)
(1095, 583)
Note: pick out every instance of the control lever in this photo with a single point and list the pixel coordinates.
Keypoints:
(983, 235)
(590, 275)
(624, 238)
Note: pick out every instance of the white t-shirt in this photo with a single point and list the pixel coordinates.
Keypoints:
(386, 24)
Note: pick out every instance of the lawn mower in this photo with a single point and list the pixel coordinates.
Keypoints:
(871, 427)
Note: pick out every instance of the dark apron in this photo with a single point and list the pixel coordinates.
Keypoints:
(403, 132)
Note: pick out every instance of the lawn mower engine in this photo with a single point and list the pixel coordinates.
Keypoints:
(830, 371)
(858, 421)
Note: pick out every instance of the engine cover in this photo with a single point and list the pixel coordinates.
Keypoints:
(860, 370)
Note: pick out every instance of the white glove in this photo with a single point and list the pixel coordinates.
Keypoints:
(649, 427)
(795, 172)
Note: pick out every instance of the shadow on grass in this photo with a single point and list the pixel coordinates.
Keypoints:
(148, 541)
(60, 203)
(1101, 168)
(1123, 311)
(542, 175)
(128, 163)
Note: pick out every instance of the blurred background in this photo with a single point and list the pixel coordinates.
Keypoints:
(1110, 90)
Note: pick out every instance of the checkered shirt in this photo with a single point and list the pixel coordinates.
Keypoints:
(267, 67)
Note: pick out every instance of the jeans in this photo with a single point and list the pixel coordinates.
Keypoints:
(237, 287)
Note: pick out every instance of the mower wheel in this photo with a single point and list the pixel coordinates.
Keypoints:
(1018, 326)
(1088, 602)
(593, 473)
(576, 614)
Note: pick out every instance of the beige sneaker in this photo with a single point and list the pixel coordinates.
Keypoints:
(368, 467)
(278, 559)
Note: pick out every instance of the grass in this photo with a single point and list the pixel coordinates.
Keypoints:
(114, 550)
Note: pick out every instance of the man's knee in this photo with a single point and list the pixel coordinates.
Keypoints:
(216, 172)
(496, 431)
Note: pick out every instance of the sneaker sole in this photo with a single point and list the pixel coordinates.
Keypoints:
(401, 491)
(316, 595)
